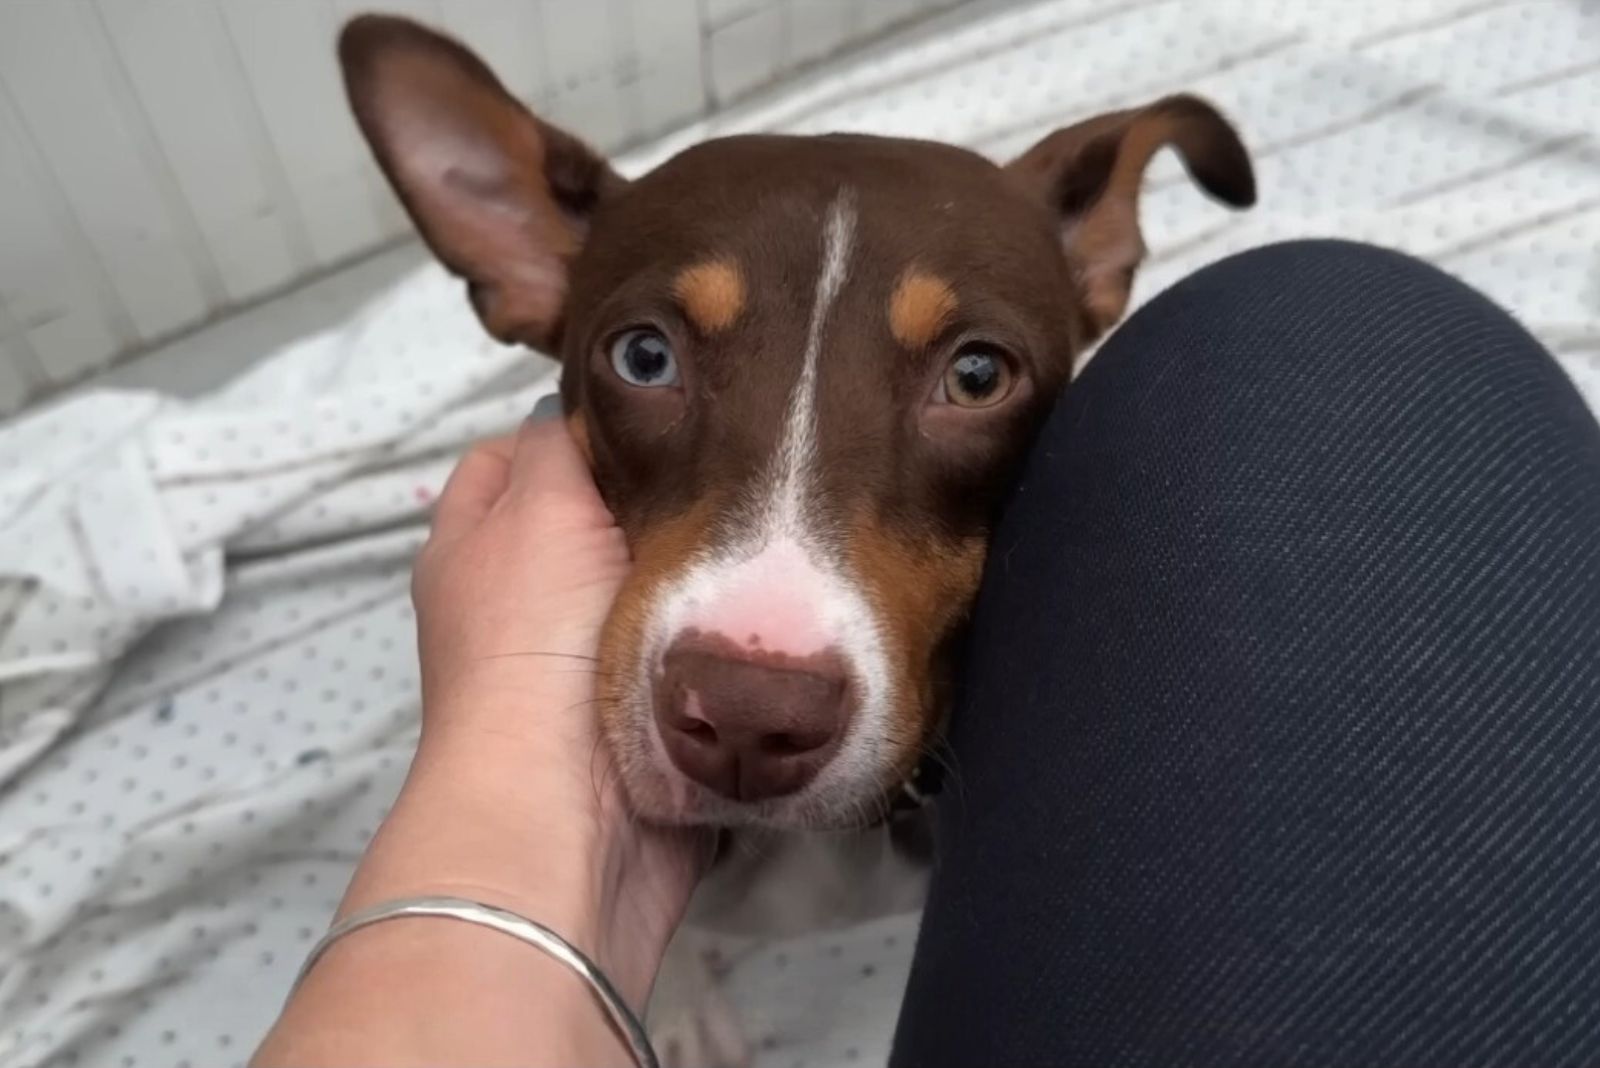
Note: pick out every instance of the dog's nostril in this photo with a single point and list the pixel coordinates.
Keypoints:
(748, 726)
(791, 744)
(699, 730)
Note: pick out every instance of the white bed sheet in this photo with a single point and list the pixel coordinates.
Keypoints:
(207, 695)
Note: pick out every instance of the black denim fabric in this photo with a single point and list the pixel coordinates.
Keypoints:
(1279, 741)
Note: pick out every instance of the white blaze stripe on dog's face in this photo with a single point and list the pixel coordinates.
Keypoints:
(797, 448)
(782, 583)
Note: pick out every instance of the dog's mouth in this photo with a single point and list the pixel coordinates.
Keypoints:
(659, 791)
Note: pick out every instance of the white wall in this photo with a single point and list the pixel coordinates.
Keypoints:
(163, 162)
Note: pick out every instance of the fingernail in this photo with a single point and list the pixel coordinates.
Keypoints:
(547, 407)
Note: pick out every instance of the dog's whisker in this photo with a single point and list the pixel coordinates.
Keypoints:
(862, 815)
(588, 702)
(880, 812)
(885, 809)
(537, 652)
(751, 846)
(943, 756)
(597, 781)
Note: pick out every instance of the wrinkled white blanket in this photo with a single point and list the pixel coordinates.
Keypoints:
(207, 694)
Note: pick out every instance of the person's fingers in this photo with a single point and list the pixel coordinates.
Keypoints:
(546, 463)
(478, 481)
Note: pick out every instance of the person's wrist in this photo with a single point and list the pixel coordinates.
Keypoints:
(503, 817)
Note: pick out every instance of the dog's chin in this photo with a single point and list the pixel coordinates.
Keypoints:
(706, 809)
(664, 796)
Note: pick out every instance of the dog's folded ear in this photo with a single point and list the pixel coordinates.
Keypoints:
(1090, 175)
(501, 197)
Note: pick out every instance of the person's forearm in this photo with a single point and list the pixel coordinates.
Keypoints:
(438, 991)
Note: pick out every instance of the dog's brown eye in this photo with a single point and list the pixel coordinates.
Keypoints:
(976, 378)
(644, 357)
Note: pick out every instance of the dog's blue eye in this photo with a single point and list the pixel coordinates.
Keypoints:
(644, 358)
(976, 378)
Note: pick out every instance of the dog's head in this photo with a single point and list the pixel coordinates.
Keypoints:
(804, 369)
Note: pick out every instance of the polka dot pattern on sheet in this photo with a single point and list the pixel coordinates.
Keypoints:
(174, 834)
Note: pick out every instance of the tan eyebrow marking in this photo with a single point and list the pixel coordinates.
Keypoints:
(712, 294)
(921, 306)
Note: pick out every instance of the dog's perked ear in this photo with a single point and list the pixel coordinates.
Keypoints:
(1090, 174)
(502, 197)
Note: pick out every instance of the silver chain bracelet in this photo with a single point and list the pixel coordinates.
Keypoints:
(627, 1025)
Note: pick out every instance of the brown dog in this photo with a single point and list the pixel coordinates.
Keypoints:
(804, 369)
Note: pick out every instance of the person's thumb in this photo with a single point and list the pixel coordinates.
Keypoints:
(474, 488)
(548, 470)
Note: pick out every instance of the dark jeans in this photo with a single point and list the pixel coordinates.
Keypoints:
(1280, 736)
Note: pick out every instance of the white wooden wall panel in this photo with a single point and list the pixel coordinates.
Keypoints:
(722, 12)
(205, 134)
(14, 381)
(69, 93)
(302, 105)
(818, 27)
(509, 35)
(745, 49)
(668, 82)
(877, 16)
(62, 315)
(584, 69)
(166, 161)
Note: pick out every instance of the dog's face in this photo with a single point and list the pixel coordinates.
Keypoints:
(804, 369)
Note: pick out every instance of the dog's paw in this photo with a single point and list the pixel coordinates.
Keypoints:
(692, 1023)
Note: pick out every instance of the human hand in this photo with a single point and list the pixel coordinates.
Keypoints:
(511, 591)
(510, 800)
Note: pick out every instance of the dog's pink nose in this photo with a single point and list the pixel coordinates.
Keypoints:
(745, 729)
